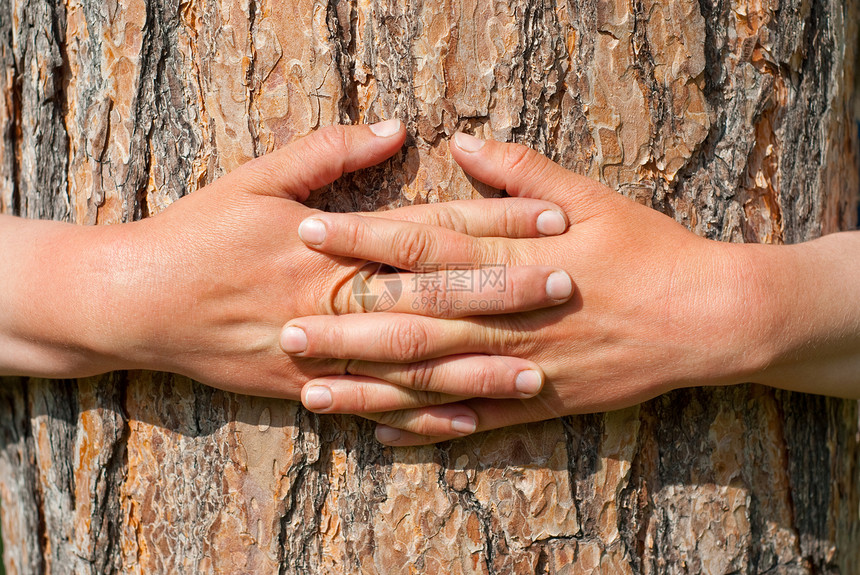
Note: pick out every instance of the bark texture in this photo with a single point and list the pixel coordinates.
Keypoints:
(732, 116)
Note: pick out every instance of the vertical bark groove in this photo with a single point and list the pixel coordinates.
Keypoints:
(541, 70)
(11, 116)
(37, 42)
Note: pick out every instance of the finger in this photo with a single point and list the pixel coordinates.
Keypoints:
(374, 387)
(467, 375)
(490, 217)
(398, 338)
(359, 395)
(451, 293)
(523, 172)
(425, 425)
(322, 157)
(491, 414)
(401, 438)
(404, 245)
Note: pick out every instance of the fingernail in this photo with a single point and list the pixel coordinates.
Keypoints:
(318, 397)
(387, 434)
(467, 142)
(558, 285)
(312, 231)
(386, 128)
(551, 223)
(294, 340)
(528, 382)
(464, 424)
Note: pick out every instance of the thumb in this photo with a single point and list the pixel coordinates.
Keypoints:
(322, 157)
(523, 172)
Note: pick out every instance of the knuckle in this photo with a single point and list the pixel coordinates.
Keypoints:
(422, 423)
(482, 381)
(326, 338)
(494, 252)
(354, 231)
(407, 341)
(418, 376)
(507, 340)
(334, 138)
(260, 166)
(511, 223)
(517, 297)
(429, 398)
(521, 160)
(361, 401)
(328, 149)
(435, 297)
(477, 250)
(398, 419)
(452, 219)
(413, 248)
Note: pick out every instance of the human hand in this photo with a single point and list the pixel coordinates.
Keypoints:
(203, 288)
(655, 308)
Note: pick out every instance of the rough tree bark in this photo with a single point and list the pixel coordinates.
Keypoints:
(732, 116)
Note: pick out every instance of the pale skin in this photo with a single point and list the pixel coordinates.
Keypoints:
(204, 288)
(655, 308)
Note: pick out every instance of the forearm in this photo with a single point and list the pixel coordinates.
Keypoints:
(54, 299)
(810, 315)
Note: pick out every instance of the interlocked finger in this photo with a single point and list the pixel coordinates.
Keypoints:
(468, 375)
(398, 338)
(424, 425)
(490, 217)
(370, 388)
(452, 293)
(403, 245)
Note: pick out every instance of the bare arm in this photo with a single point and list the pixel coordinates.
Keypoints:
(46, 326)
(810, 315)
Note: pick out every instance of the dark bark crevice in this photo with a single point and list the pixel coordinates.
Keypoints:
(373, 463)
(341, 23)
(164, 142)
(540, 71)
(251, 79)
(43, 186)
(808, 432)
(803, 142)
(298, 545)
(107, 511)
(21, 480)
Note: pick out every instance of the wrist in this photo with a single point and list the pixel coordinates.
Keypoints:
(119, 314)
(51, 299)
(811, 316)
(720, 306)
(78, 300)
(759, 285)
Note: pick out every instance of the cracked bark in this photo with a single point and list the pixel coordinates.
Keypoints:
(732, 116)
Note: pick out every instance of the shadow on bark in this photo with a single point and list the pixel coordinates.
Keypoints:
(702, 463)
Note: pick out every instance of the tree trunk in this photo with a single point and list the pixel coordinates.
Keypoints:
(732, 116)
